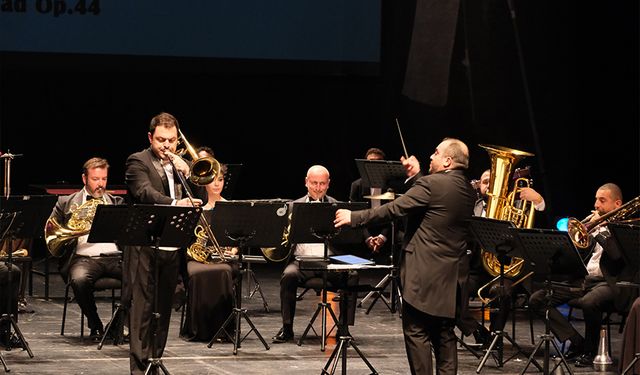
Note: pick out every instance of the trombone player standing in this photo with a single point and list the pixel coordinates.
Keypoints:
(82, 263)
(151, 179)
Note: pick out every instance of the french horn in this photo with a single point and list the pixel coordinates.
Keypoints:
(57, 236)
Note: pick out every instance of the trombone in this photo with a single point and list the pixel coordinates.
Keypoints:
(487, 300)
(202, 172)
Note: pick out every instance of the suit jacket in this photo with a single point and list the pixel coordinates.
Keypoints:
(437, 208)
(62, 212)
(147, 184)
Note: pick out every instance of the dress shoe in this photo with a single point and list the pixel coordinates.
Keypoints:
(96, 334)
(283, 335)
(482, 337)
(585, 360)
(573, 352)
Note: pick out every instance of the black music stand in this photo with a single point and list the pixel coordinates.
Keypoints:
(313, 223)
(496, 237)
(21, 225)
(107, 226)
(385, 174)
(244, 225)
(627, 238)
(35, 210)
(231, 180)
(9, 223)
(154, 226)
(549, 252)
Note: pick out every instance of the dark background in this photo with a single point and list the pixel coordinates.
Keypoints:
(278, 118)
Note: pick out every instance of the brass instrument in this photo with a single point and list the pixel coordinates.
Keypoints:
(20, 253)
(500, 204)
(56, 236)
(203, 171)
(488, 300)
(579, 231)
(282, 252)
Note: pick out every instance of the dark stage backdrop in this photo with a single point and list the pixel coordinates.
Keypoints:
(278, 117)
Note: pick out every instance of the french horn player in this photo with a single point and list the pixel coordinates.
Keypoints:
(597, 291)
(478, 277)
(66, 233)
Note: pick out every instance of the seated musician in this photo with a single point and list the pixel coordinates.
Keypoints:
(317, 183)
(82, 263)
(594, 293)
(209, 285)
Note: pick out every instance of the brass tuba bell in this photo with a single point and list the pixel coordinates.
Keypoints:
(500, 203)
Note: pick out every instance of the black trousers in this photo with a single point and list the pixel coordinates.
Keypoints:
(593, 297)
(83, 273)
(422, 332)
(293, 276)
(143, 289)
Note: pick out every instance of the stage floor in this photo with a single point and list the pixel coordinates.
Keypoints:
(377, 334)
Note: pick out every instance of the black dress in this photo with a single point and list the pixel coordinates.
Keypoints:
(210, 290)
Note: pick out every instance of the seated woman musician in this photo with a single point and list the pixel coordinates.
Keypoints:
(210, 283)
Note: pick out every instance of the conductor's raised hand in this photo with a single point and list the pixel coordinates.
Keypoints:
(411, 165)
(343, 217)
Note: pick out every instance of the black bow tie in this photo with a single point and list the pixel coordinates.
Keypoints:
(90, 197)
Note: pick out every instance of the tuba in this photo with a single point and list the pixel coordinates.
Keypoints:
(57, 236)
(501, 204)
(579, 231)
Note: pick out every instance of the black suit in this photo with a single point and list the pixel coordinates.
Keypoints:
(357, 193)
(147, 184)
(83, 271)
(437, 207)
(293, 276)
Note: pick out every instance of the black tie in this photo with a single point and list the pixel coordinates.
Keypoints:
(90, 197)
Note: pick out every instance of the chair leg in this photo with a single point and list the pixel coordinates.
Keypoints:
(64, 309)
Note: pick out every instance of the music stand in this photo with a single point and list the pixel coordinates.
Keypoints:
(384, 174)
(7, 222)
(107, 226)
(627, 238)
(496, 237)
(313, 223)
(35, 210)
(549, 252)
(231, 179)
(26, 216)
(147, 225)
(243, 225)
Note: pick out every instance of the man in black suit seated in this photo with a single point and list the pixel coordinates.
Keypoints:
(317, 183)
